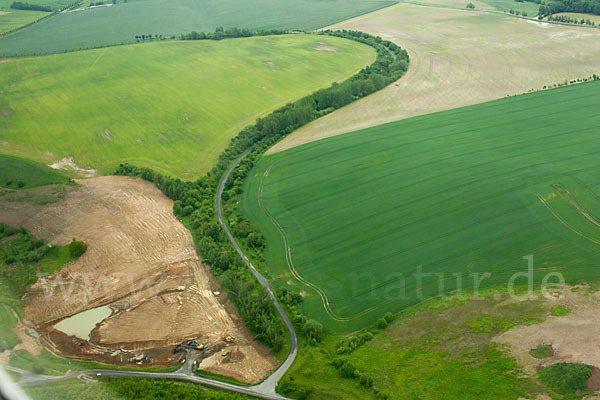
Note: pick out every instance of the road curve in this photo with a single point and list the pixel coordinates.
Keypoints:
(269, 384)
(263, 390)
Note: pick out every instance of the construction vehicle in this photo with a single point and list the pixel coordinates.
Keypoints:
(228, 339)
(189, 344)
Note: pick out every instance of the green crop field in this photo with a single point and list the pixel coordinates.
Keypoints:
(18, 173)
(120, 23)
(12, 19)
(378, 219)
(54, 4)
(172, 106)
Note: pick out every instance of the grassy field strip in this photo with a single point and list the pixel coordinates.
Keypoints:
(171, 106)
(463, 58)
(464, 191)
(12, 19)
(120, 23)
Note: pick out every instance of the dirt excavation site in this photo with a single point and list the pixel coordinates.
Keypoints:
(139, 290)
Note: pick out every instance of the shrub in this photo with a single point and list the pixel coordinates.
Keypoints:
(389, 317)
(313, 330)
(566, 378)
(543, 351)
(76, 248)
(559, 311)
(381, 323)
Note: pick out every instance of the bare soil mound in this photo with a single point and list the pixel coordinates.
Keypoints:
(593, 383)
(142, 263)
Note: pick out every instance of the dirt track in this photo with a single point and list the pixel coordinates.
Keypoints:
(142, 263)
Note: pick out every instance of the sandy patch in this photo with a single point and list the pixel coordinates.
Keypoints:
(4, 12)
(106, 135)
(28, 343)
(6, 112)
(4, 357)
(323, 47)
(539, 23)
(574, 338)
(270, 64)
(142, 263)
(68, 163)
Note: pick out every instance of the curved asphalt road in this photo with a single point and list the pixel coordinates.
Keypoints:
(268, 385)
(263, 390)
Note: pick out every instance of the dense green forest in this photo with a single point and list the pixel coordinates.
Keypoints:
(576, 6)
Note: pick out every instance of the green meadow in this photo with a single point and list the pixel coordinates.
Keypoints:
(12, 19)
(172, 106)
(380, 219)
(19, 173)
(120, 23)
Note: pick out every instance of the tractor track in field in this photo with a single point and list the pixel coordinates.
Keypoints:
(562, 220)
(288, 254)
(294, 272)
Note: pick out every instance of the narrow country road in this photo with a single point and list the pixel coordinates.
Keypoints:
(263, 390)
(269, 384)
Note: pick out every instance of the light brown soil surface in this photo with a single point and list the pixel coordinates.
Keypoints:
(458, 58)
(142, 263)
(324, 47)
(573, 337)
(28, 343)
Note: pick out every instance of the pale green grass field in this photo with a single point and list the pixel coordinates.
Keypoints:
(172, 106)
(12, 19)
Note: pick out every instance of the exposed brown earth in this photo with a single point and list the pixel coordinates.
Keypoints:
(142, 263)
(574, 337)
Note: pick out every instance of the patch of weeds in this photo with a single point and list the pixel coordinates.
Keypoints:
(543, 351)
(559, 311)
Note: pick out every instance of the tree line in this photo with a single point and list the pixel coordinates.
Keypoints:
(569, 20)
(576, 6)
(18, 5)
(195, 200)
(221, 33)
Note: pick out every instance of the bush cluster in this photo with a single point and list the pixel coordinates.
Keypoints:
(18, 5)
(566, 378)
(575, 6)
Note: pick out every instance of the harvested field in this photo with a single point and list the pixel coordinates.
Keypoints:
(142, 263)
(458, 58)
